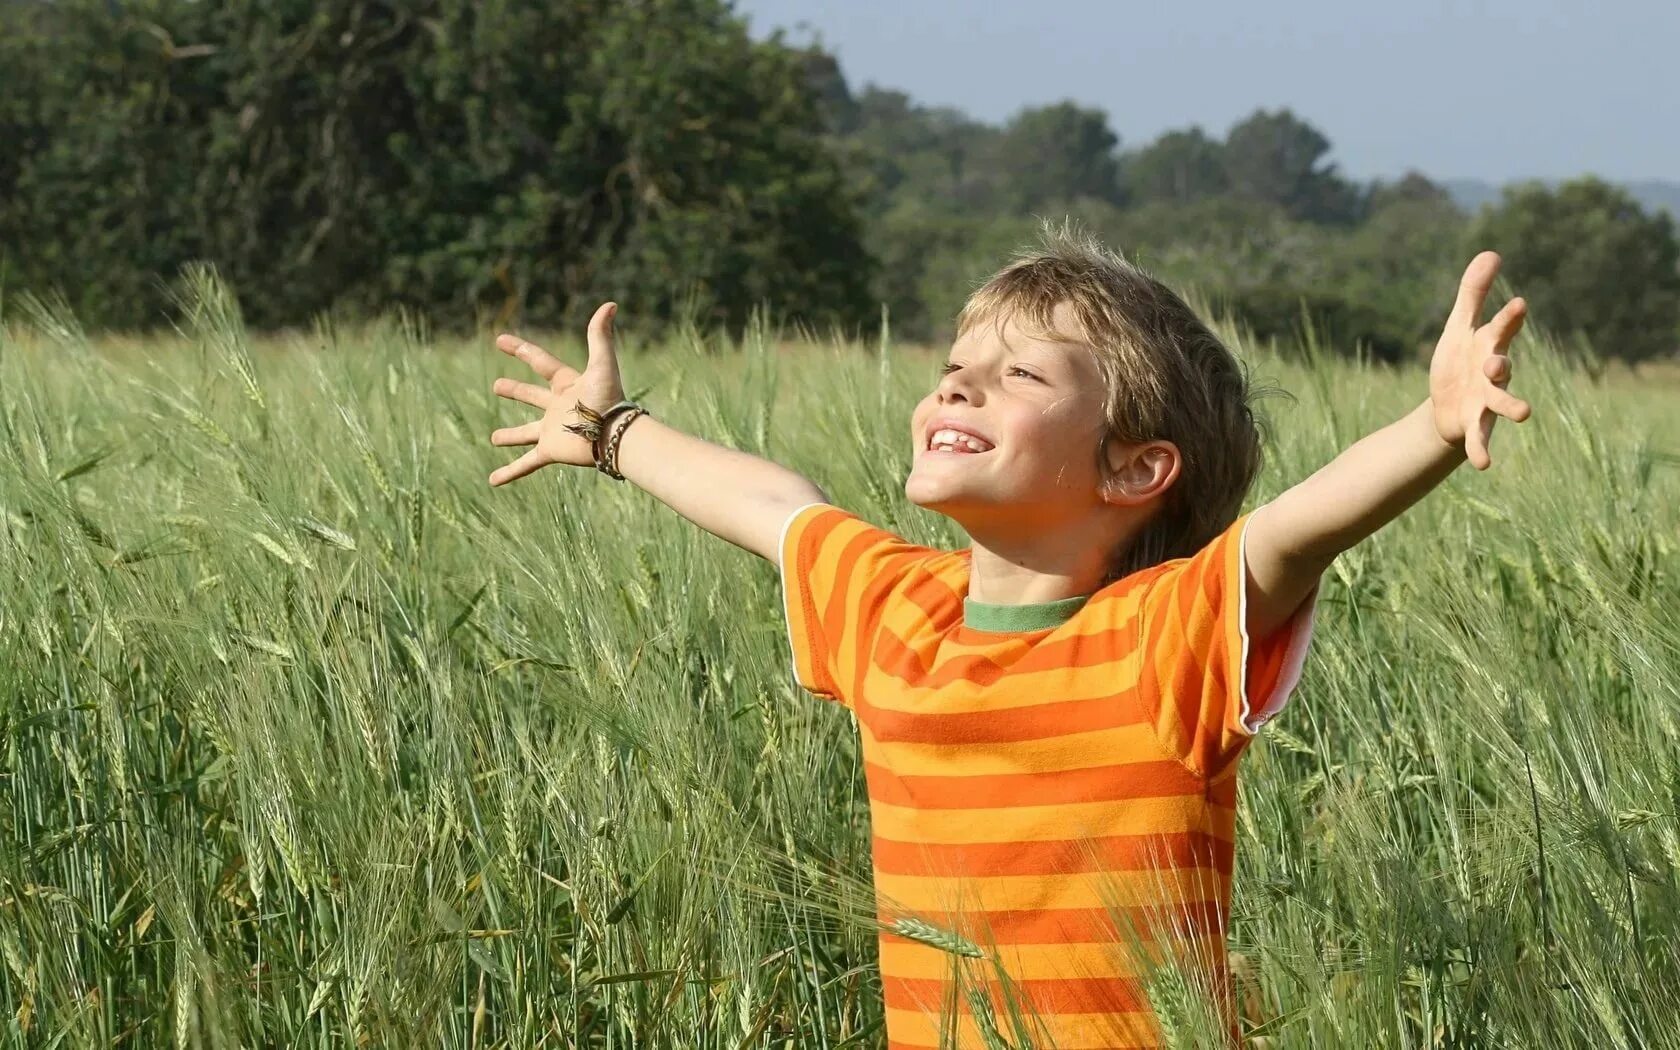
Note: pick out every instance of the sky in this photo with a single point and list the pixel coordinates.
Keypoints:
(1492, 90)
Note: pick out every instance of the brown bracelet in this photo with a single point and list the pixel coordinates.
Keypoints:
(607, 463)
(604, 422)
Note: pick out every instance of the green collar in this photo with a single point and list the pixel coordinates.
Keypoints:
(1034, 616)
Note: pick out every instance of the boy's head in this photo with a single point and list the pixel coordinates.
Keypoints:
(1101, 404)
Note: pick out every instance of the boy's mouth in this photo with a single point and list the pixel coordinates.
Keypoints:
(944, 437)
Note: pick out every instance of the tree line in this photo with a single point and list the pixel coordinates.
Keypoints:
(1258, 220)
(490, 162)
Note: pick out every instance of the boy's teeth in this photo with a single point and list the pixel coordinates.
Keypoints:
(949, 440)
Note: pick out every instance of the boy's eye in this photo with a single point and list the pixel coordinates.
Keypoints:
(951, 366)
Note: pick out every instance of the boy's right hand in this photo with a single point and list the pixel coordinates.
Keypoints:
(597, 386)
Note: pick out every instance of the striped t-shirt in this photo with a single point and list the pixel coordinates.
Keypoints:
(1056, 783)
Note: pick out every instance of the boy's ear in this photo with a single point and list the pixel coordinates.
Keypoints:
(1138, 473)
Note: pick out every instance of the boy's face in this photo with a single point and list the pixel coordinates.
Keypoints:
(1036, 408)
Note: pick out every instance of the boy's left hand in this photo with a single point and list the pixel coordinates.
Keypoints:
(1468, 374)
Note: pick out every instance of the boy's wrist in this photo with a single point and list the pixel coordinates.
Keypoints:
(1427, 419)
(617, 420)
(633, 448)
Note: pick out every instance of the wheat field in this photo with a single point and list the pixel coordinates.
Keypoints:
(311, 739)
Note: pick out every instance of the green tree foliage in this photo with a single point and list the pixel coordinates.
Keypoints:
(1260, 223)
(1281, 275)
(456, 157)
(1595, 264)
(1401, 265)
(1055, 153)
(907, 237)
(1412, 187)
(933, 153)
(1279, 159)
(101, 187)
(531, 157)
(924, 178)
(1179, 167)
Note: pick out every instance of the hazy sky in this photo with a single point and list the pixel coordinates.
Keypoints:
(1493, 90)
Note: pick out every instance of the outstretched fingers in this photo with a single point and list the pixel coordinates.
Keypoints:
(541, 361)
(1507, 323)
(528, 434)
(530, 393)
(1473, 290)
(526, 464)
(1497, 368)
(602, 353)
(1476, 437)
(1498, 403)
(1503, 403)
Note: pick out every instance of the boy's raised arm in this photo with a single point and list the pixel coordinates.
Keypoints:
(1294, 538)
(737, 496)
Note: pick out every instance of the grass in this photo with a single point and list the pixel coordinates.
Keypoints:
(313, 740)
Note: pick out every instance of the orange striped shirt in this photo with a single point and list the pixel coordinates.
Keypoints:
(1056, 783)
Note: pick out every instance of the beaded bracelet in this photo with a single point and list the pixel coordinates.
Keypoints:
(607, 463)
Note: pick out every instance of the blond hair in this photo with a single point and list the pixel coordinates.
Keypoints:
(1166, 377)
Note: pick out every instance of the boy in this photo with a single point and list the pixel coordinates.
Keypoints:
(1051, 719)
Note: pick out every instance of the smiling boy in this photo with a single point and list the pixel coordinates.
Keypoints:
(1051, 719)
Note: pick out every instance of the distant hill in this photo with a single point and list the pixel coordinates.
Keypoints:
(1471, 194)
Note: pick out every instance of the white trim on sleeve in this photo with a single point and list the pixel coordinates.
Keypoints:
(787, 591)
(1295, 657)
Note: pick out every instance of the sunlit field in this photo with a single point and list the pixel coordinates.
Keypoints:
(312, 739)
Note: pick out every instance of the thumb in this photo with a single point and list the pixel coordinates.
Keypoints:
(601, 354)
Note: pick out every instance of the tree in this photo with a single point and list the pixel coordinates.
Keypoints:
(828, 85)
(446, 155)
(1275, 157)
(922, 177)
(1402, 263)
(96, 116)
(1178, 168)
(1412, 187)
(897, 148)
(1593, 263)
(1050, 153)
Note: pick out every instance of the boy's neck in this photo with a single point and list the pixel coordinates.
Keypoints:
(1045, 566)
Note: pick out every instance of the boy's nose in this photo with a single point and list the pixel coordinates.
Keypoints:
(953, 388)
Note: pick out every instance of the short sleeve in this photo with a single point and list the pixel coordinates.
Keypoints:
(1210, 684)
(838, 574)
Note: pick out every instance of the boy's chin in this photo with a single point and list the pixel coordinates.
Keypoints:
(954, 505)
(986, 512)
(922, 497)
